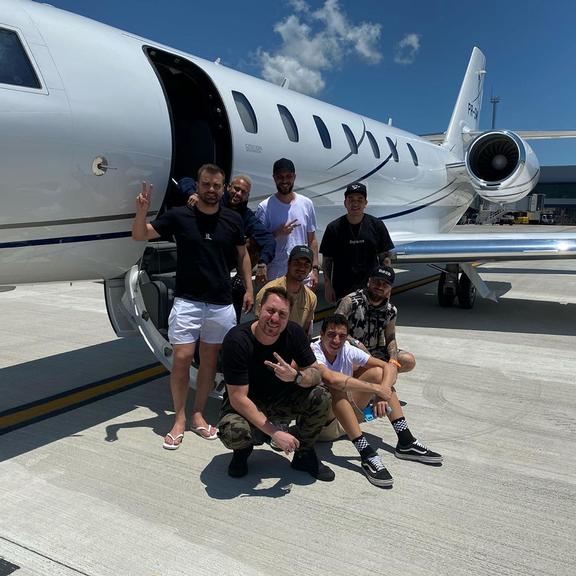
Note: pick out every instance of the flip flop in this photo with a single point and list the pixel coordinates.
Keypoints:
(199, 429)
(175, 439)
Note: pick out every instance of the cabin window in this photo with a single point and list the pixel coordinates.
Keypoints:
(351, 140)
(289, 123)
(393, 149)
(374, 144)
(15, 66)
(246, 112)
(323, 131)
(413, 154)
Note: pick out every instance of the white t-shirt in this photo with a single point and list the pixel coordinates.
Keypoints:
(347, 360)
(273, 213)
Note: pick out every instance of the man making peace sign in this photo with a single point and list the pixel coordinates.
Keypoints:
(271, 375)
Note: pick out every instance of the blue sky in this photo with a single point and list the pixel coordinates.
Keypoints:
(380, 58)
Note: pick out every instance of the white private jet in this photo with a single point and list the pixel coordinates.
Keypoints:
(88, 112)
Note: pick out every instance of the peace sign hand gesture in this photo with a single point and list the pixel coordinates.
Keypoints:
(282, 369)
(143, 199)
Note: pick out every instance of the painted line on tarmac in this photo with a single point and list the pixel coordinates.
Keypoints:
(47, 407)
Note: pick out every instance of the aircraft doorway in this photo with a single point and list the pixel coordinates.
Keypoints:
(200, 127)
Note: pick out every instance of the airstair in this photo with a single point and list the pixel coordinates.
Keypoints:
(491, 216)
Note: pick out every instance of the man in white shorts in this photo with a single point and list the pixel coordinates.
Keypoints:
(210, 242)
(290, 217)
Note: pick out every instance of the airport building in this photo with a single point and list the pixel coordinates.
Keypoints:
(558, 185)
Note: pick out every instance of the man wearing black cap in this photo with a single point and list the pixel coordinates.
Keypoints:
(303, 299)
(372, 323)
(352, 245)
(291, 219)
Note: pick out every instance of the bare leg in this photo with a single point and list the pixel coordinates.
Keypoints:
(344, 411)
(204, 381)
(179, 382)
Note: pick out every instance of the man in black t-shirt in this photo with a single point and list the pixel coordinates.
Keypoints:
(210, 242)
(271, 375)
(352, 245)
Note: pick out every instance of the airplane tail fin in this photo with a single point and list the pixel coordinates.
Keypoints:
(466, 114)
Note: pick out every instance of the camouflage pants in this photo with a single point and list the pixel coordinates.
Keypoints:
(310, 407)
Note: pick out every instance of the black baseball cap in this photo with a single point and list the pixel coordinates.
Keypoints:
(356, 188)
(283, 165)
(301, 252)
(383, 273)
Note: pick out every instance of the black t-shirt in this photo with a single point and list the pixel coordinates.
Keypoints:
(243, 360)
(354, 249)
(206, 251)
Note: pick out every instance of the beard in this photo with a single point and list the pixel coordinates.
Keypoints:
(284, 191)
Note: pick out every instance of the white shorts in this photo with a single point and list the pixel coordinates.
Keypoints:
(191, 321)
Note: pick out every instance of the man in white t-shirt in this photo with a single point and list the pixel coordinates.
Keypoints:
(356, 381)
(290, 217)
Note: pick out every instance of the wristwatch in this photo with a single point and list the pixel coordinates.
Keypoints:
(298, 379)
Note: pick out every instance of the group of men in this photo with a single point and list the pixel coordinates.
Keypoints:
(273, 374)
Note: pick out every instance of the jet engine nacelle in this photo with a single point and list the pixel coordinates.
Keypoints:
(502, 167)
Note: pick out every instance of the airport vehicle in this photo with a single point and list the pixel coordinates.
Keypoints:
(547, 219)
(88, 112)
(506, 219)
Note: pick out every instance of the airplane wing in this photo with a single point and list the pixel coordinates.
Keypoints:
(458, 247)
(525, 134)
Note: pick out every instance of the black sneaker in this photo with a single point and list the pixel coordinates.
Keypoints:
(307, 461)
(238, 466)
(417, 452)
(376, 472)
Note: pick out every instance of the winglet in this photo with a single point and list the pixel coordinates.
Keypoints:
(466, 114)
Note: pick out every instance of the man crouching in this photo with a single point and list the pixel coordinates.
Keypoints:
(263, 386)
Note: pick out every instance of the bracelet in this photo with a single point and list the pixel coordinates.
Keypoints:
(395, 362)
(260, 265)
(345, 383)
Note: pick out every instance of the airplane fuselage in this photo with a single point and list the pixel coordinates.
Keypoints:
(111, 109)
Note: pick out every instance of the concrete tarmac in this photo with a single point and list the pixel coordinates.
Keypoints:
(91, 491)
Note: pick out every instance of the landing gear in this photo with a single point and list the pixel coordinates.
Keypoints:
(446, 290)
(466, 292)
(454, 284)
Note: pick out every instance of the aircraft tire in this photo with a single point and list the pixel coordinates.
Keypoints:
(466, 293)
(445, 299)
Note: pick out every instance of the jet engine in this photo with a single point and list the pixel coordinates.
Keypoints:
(502, 167)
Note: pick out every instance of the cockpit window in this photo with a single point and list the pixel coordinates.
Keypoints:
(15, 66)
(246, 112)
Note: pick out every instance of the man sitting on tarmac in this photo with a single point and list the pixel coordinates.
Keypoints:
(372, 324)
(338, 360)
(355, 379)
(372, 319)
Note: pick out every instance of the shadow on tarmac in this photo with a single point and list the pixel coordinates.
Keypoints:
(420, 309)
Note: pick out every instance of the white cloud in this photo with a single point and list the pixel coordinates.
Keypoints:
(314, 42)
(406, 50)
